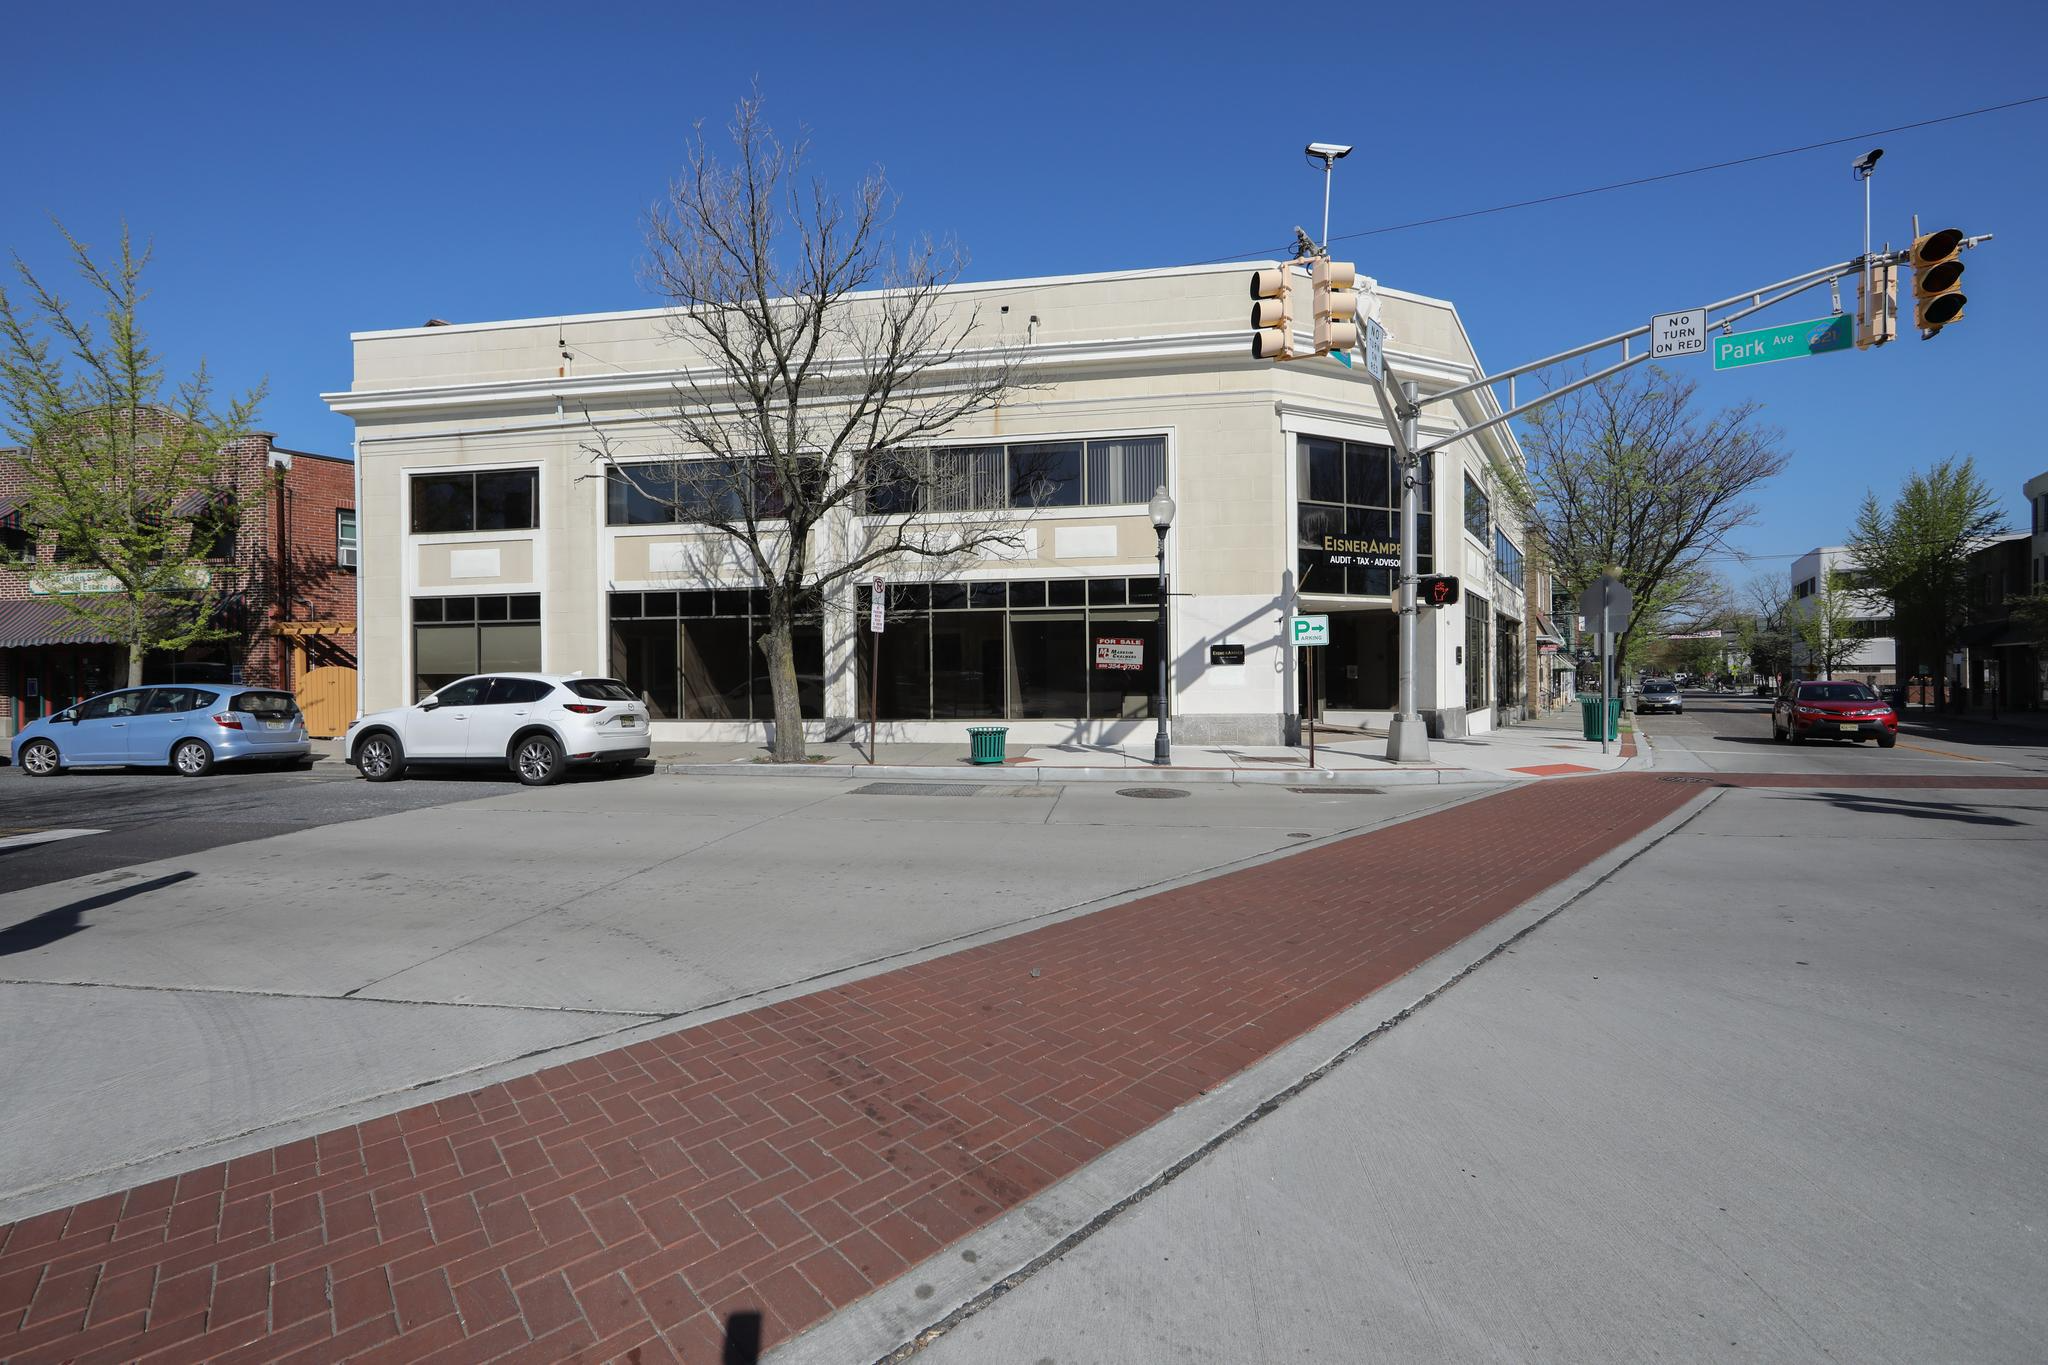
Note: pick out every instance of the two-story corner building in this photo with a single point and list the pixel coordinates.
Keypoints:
(498, 537)
(282, 533)
(1997, 665)
(2036, 490)
(1875, 660)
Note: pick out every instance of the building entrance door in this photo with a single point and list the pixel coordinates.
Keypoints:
(1359, 670)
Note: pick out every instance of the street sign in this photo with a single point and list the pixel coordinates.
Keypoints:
(1606, 606)
(1816, 336)
(1119, 651)
(875, 600)
(1375, 349)
(1309, 630)
(1678, 333)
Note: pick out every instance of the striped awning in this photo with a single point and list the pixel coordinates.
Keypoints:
(45, 623)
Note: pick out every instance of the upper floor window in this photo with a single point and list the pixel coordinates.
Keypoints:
(666, 492)
(347, 549)
(214, 529)
(488, 500)
(17, 542)
(1507, 557)
(1478, 510)
(1805, 587)
(1111, 472)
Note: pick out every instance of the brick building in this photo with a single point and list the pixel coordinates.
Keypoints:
(283, 527)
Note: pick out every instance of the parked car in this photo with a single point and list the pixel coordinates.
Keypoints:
(188, 727)
(1833, 710)
(1659, 695)
(536, 724)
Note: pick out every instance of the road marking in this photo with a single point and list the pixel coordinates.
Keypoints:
(43, 836)
(1945, 753)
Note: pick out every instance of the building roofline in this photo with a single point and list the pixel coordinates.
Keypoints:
(958, 287)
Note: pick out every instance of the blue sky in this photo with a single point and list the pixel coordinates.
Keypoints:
(306, 171)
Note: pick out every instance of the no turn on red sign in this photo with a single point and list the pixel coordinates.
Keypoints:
(1678, 333)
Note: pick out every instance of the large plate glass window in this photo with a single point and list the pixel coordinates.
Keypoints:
(487, 500)
(1116, 471)
(453, 637)
(693, 655)
(1477, 695)
(1348, 519)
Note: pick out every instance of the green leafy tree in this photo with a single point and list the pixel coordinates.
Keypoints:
(1629, 476)
(1825, 625)
(1916, 553)
(120, 467)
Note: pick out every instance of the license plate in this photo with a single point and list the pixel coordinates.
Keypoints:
(629, 721)
(1850, 724)
(277, 725)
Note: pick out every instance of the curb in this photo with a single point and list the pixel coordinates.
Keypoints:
(1035, 774)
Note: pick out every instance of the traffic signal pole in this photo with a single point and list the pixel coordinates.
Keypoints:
(1407, 736)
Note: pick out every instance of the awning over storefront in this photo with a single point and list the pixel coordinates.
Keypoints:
(45, 623)
(1546, 632)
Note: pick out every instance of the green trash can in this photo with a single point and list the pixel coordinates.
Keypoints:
(988, 742)
(1589, 716)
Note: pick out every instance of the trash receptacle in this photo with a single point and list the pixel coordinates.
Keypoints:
(1589, 716)
(988, 742)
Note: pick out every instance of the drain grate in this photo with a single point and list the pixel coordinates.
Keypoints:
(1685, 781)
(1340, 791)
(1152, 793)
(918, 789)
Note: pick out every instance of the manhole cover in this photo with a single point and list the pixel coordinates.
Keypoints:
(1687, 781)
(918, 789)
(1340, 791)
(1152, 793)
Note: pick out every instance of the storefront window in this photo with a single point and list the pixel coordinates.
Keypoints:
(1477, 695)
(694, 655)
(1049, 660)
(1348, 522)
(453, 637)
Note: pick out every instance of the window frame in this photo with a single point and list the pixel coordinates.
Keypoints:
(911, 478)
(414, 477)
(348, 549)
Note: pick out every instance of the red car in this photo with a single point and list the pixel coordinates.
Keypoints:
(1833, 710)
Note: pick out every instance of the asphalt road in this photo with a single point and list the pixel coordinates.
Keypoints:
(1723, 733)
(136, 815)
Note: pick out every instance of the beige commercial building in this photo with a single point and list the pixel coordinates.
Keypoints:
(499, 533)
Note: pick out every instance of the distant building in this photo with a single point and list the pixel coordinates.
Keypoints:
(2037, 512)
(283, 565)
(1996, 666)
(1875, 660)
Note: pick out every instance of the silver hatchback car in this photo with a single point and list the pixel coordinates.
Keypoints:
(188, 727)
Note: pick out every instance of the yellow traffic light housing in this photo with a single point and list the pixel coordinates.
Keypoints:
(1877, 306)
(1272, 315)
(1938, 296)
(1336, 304)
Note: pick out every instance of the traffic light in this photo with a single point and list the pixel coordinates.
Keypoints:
(1272, 315)
(1336, 305)
(1436, 590)
(1938, 297)
(1877, 306)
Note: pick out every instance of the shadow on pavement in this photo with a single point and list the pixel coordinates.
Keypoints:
(62, 922)
(1917, 810)
(742, 1339)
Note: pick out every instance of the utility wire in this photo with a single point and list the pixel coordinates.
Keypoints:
(1655, 179)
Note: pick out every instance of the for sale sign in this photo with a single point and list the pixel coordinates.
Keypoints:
(1119, 651)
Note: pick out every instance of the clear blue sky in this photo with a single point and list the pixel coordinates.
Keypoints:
(306, 171)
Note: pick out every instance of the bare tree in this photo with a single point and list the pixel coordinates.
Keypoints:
(1626, 475)
(823, 370)
(125, 472)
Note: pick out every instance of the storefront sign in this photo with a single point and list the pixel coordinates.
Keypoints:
(1119, 651)
(1227, 654)
(1338, 552)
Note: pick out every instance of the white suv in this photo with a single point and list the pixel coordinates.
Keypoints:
(536, 724)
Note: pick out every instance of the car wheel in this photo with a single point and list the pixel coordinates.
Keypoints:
(537, 760)
(39, 758)
(191, 758)
(380, 757)
(1887, 741)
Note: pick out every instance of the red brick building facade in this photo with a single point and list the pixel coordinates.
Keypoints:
(285, 576)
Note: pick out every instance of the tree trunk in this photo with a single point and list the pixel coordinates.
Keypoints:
(136, 655)
(779, 649)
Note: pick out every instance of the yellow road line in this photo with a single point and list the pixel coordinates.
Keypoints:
(1945, 753)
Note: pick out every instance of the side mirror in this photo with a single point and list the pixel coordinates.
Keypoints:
(431, 703)
(69, 713)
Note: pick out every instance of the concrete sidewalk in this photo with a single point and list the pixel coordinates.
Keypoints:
(1550, 746)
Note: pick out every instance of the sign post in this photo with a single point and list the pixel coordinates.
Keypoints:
(1310, 633)
(1606, 606)
(877, 594)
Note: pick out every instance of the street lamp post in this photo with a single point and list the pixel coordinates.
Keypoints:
(1161, 508)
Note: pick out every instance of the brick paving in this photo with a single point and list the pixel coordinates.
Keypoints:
(787, 1160)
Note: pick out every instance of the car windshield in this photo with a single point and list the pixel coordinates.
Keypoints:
(1836, 692)
(1660, 687)
(600, 689)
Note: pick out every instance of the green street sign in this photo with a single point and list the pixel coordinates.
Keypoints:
(1788, 341)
